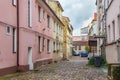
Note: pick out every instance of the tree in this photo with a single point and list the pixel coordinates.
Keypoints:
(87, 48)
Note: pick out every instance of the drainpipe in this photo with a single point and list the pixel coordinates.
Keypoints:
(105, 32)
(18, 34)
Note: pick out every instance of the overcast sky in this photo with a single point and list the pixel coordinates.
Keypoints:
(80, 12)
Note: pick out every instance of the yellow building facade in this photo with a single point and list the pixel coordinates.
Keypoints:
(57, 30)
(67, 38)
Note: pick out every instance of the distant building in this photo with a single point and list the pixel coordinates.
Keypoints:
(93, 30)
(67, 45)
(80, 38)
(84, 30)
(79, 43)
(57, 30)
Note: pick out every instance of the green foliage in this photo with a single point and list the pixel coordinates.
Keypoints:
(7, 77)
(103, 61)
(72, 51)
(87, 48)
(57, 51)
(116, 73)
(91, 61)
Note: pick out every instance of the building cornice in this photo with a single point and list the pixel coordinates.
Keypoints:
(47, 7)
(109, 5)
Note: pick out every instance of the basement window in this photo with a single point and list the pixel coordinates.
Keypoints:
(8, 30)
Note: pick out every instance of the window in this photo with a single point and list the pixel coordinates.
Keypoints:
(54, 45)
(30, 13)
(43, 14)
(119, 25)
(79, 47)
(43, 43)
(113, 23)
(39, 44)
(48, 21)
(109, 37)
(48, 45)
(54, 25)
(14, 2)
(14, 40)
(8, 29)
(39, 13)
(75, 47)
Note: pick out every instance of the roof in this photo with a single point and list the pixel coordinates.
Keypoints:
(59, 5)
(43, 2)
(80, 43)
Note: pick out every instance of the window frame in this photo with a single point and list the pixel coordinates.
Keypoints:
(14, 2)
(48, 45)
(39, 44)
(8, 32)
(39, 13)
(48, 21)
(14, 40)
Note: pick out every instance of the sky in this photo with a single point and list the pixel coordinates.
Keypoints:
(80, 13)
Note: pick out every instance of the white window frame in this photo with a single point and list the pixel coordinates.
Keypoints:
(14, 2)
(40, 14)
(30, 13)
(40, 44)
(48, 45)
(14, 40)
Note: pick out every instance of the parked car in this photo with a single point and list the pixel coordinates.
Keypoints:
(84, 54)
(76, 53)
(90, 55)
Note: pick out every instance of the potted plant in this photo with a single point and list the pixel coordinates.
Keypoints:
(54, 51)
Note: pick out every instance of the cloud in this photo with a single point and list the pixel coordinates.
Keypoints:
(79, 11)
(86, 22)
(76, 31)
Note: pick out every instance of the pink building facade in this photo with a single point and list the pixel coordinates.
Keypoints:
(113, 31)
(26, 39)
(8, 24)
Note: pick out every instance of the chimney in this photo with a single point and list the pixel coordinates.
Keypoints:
(95, 16)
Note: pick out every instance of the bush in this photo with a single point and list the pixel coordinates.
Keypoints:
(116, 73)
(87, 48)
(103, 61)
(91, 61)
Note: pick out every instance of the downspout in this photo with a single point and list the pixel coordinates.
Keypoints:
(18, 34)
(105, 33)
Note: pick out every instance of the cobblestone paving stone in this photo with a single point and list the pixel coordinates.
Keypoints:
(65, 70)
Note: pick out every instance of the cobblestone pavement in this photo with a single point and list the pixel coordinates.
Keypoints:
(64, 70)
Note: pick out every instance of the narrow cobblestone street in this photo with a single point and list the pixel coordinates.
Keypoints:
(64, 70)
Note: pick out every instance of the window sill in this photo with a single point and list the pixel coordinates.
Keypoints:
(8, 34)
(14, 52)
(14, 4)
(30, 26)
(48, 52)
(40, 52)
(39, 21)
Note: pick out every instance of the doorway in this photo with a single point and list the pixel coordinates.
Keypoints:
(30, 62)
